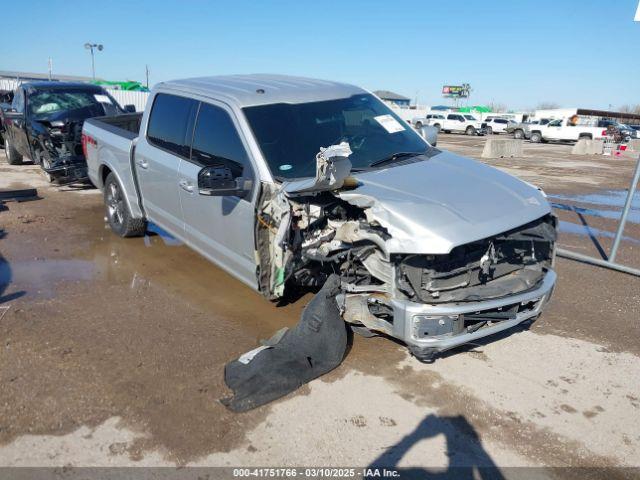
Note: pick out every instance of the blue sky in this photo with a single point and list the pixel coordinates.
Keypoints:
(516, 52)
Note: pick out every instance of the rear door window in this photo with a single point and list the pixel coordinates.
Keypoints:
(171, 123)
(216, 141)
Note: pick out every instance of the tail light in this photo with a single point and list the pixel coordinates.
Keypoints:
(87, 140)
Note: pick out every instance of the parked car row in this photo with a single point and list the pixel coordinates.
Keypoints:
(44, 123)
(567, 130)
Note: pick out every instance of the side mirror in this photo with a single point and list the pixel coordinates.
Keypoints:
(130, 108)
(219, 181)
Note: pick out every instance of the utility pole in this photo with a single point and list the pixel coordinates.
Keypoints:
(146, 71)
(50, 68)
(91, 46)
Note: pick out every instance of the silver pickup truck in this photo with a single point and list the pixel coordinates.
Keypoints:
(284, 181)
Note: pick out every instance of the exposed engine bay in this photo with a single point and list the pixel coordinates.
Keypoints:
(303, 236)
(57, 147)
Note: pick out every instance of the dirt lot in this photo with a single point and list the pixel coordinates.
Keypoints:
(113, 350)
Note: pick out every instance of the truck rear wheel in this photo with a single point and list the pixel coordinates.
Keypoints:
(470, 131)
(118, 214)
(518, 134)
(13, 157)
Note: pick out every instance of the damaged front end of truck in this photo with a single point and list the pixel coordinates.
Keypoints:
(396, 275)
(57, 147)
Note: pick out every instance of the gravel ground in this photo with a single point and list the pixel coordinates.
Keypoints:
(113, 351)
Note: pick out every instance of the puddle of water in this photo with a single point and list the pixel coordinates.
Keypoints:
(584, 231)
(633, 217)
(165, 236)
(608, 198)
(39, 277)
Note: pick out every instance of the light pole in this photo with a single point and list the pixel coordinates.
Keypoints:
(91, 46)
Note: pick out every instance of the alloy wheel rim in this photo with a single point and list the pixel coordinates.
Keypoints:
(115, 204)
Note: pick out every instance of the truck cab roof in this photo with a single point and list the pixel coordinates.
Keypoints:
(45, 85)
(263, 89)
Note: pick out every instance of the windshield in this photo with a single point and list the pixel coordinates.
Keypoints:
(290, 135)
(47, 102)
(470, 117)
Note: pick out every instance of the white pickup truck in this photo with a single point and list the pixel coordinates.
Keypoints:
(288, 182)
(458, 123)
(562, 130)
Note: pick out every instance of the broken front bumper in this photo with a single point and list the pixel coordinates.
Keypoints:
(71, 168)
(429, 329)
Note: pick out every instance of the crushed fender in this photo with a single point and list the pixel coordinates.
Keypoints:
(315, 346)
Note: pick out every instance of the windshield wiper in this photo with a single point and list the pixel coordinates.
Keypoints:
(394, 157)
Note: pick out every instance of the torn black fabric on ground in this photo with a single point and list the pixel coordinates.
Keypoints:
(314, 347)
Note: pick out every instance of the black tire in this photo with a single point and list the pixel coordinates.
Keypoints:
(470, 130)
(489, 131)
(518, 135)
(418, 125)
(117, 211)
(536, 137)
(437, 125)
(13, 157)
(44, 162)
(447, 131)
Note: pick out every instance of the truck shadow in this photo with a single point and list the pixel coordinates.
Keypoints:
(467, 456)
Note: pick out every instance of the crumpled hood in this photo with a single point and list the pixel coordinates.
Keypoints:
(435, 205)
(71, 116)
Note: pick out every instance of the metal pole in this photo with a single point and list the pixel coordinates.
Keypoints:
(625, 212)
(597, 261)
(93, 65)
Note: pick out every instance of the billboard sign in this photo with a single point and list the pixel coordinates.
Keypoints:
(455, 91)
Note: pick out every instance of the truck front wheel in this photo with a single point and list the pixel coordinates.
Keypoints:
(470, 131)
(536, 137)
(118, 214)
(13, 157)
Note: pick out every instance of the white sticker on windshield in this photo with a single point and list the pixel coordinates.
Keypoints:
(102, 98)
(389, 123)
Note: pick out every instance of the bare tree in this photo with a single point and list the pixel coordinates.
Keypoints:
(628, 108)
(547, 106)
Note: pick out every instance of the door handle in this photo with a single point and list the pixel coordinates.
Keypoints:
(186, 185)
(142, 163)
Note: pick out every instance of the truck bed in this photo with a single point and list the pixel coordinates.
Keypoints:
(127, 125)
(110, 149)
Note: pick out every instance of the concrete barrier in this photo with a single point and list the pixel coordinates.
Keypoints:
(588, 147)
(634, 145)
(502, 147)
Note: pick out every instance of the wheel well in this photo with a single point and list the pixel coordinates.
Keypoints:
(104, 173)
(585, 135)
